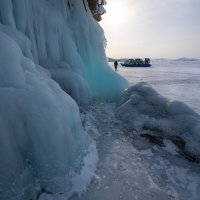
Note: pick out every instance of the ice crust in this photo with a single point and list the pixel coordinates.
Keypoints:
(142, 107)
(49, 50)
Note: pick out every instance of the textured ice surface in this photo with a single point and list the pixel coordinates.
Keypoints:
(41, 133)
(46, 45)
(141, 107)
(132, 168)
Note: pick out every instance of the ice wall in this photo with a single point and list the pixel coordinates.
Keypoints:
(63, 36)
(103, 81)
(41, 137)
(48, 50)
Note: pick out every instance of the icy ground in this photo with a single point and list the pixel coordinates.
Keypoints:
(174, 79)
(132, 168)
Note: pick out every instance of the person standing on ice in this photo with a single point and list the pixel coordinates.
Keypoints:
(115, 64)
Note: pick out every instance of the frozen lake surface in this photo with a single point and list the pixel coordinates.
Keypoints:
(174, 79)
(132, 168)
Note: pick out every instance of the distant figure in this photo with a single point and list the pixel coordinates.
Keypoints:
(115, 64)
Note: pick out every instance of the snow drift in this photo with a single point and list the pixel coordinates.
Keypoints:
(142, 107)
(48, 51)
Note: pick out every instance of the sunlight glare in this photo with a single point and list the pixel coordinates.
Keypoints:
(116, 13)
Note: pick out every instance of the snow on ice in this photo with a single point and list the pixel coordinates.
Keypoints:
(141, 107)
(132, 168)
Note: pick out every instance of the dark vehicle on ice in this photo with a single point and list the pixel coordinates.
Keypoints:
(137, 63)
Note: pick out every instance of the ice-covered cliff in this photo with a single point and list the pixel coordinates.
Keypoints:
(50, 51)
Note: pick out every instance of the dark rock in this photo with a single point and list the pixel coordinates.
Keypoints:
(93, 5)
(154, 139)
(191, 157)
(179, 142)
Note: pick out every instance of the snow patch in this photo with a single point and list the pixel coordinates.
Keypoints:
(80, 181)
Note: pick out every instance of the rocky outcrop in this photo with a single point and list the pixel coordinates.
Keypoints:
(97, 9)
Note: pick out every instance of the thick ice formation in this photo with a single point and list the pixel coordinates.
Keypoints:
(89, 37)
(41, 136)
(142, 107)
(62, 35)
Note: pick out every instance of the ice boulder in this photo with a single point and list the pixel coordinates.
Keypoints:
(141, 107)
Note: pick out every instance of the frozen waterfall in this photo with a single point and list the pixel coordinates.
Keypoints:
(50, 51)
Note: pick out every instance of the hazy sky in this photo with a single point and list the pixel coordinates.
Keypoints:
(152, 28)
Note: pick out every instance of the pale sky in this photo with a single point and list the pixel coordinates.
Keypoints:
(152, 28)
